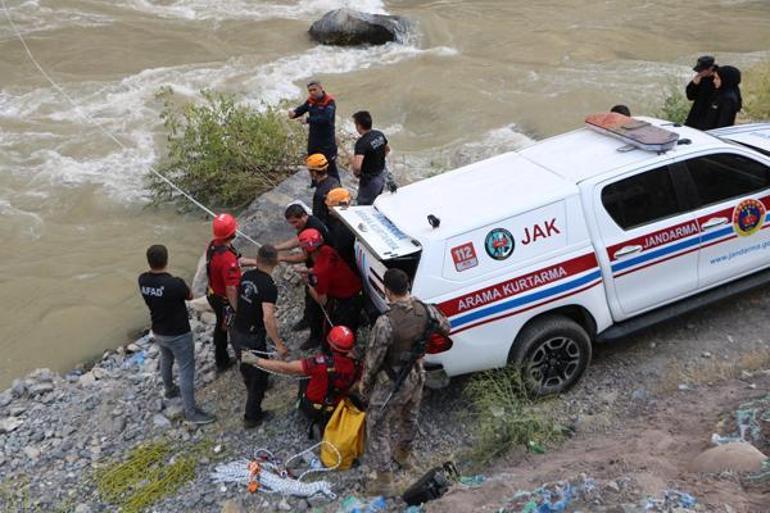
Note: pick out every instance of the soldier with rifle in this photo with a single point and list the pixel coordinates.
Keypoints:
(393, 380)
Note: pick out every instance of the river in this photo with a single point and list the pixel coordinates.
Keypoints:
(479, 76)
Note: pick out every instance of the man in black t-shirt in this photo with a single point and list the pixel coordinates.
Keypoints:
(165, 296)
(254, 320)
(368, 163)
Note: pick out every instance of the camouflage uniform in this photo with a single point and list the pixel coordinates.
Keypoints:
(401, 413)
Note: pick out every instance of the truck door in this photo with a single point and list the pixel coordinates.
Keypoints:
(734, 195)
(650, 237)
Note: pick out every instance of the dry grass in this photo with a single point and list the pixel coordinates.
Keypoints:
(714, 370)
(756, 92)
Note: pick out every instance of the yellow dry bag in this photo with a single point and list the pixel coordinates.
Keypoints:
(345, 430)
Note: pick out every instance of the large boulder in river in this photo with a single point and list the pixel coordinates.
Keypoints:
(347, 27)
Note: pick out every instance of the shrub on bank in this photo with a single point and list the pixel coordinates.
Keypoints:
(224, 153)
(675, 105)
(506, 417)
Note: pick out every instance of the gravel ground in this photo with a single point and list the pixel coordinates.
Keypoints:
(56, 430)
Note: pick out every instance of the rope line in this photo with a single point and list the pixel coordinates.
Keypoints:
(98, 125)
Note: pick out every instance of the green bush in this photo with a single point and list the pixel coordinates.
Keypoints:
(224, 153)
(506, 416)
(675, 106)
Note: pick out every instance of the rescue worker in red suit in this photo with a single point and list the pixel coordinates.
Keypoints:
(224, 274)
(331, 375)
(331, 282)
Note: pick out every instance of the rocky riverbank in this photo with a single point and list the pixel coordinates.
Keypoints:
(60, 434)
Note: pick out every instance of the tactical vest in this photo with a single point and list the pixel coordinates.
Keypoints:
(409, 325)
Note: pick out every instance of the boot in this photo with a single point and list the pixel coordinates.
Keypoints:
(404, 459)
(380, 484)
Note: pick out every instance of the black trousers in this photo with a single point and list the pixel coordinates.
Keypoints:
(346, 312)
(314, 316)
(254, 378)
(221, 356)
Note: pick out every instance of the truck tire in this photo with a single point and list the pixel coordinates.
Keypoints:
(552, 354)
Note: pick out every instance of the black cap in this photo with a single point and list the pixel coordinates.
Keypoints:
(704, 62)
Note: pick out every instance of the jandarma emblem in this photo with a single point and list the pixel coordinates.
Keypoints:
(748, 217)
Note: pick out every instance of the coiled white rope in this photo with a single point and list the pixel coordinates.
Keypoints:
(272, 478)
(101, 127)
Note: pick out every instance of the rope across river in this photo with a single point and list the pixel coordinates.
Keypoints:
(101, 127)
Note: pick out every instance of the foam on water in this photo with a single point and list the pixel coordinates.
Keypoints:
(30, 17)
(128, 109)
(249, 9)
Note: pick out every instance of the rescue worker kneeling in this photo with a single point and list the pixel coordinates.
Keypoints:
(331, 375)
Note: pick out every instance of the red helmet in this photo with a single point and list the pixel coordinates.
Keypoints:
(341, 339)
(310, 239)
(224, 226)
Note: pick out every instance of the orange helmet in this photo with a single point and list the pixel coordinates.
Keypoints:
(317, 162)
(341, 339)
(337, 197)
(224, 226)
(310, 239)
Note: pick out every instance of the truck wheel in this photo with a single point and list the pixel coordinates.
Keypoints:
(552, 353)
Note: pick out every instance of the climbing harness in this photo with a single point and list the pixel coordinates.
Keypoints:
(266, 473)
(101, 128)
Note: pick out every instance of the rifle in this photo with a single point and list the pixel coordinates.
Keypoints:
(417, 352)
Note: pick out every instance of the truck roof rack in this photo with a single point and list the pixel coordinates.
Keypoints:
(636, 133)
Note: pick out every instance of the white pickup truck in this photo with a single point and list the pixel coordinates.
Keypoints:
(535, 254)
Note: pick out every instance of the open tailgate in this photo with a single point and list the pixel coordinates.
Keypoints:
(375, 231)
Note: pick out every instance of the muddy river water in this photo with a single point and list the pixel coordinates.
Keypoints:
(479, 76)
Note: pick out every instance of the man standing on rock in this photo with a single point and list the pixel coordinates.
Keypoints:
(368, 163)
(165, 296)
(224, 274)
(254, 320)
(321, 110)
(392, 413)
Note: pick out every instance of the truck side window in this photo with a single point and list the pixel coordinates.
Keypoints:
(641, 199)
(724, 176)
